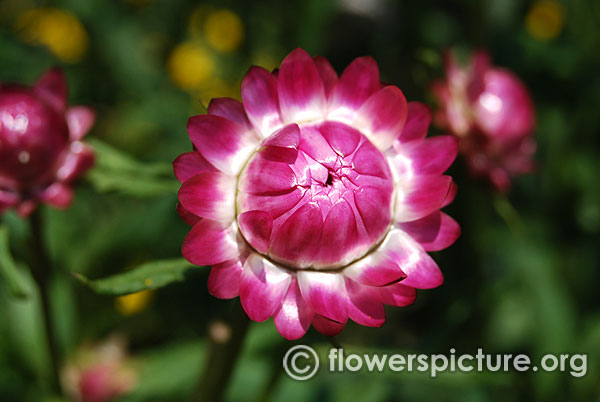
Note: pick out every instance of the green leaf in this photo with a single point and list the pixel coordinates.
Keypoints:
(8, 267)
(151, 275)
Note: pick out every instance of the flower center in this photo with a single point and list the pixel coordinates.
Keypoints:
(319, 199)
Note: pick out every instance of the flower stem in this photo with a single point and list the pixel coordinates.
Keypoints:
(508, 213)
(41, 270)
(226, 341)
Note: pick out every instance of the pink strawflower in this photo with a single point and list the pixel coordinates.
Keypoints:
(491, 112)
(317, 198)
(40, 148)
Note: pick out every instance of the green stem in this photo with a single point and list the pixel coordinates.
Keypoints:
(41, 270)
(226, 341)
(508, 213)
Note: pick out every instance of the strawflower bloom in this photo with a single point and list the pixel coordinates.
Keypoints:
(317, 198)
(491, 112)
(41, 152)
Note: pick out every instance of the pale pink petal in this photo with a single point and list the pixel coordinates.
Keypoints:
(76, 161)
(398, 295)
(429, 156)
(327, 74)
(326, 326)
(224, 144)
(80, 120)
(256, 226)
(209, 243)
(230, 109)
(224, 279)
(325, 293)
(263, 287)
(52, 87)
(418, 119)
(382, 116)
(58, 195)
(364, 306)
(294, 316)
(190, 164)
(301, 90)
(261, 101)
(434, 232)
(210, 195)
(422, 196)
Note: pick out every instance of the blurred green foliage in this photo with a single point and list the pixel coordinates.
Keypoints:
(521, 279)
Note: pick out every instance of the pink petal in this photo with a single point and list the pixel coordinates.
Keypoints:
(418, 119)
(263, 176)
(224, 279)
(225, 145)
(341, 138)
(340, 235)
(263, 287)
(375, 269)
(383, 116)
(451, 195)
(261, 101)
(368, 160)
(398, 295)
(326, 326)
(358, 82)
(210, 195)
(256, 226)
(298, 239)
(208, 243)
(434, 232)
(429, 156)
(277, 206)
(52, 87)
(364, 305)
(283, 145)
(327, 74)
(186, 215)
(301, 90)
(374, 207)
(325, 293)
(190, 164)
(80, 120)
(294, 316)
(25, 208)
(7, 199)
(58, 195)
(422, 272)
(422, 196)
(230, 109)
(76, 161)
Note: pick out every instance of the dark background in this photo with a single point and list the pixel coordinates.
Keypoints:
(522, 278)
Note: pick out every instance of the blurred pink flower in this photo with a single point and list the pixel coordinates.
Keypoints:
(317, 198)
(491, 112)
(40, 148)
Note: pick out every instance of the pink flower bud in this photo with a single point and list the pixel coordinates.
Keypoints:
(317, 198)
(40, 148)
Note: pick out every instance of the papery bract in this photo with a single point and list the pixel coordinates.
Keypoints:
(317, 197)
(41, 151)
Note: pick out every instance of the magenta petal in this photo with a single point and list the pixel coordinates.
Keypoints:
(190, 164)
(210, 195)
(225, 145)
(364, 306)
(208, 243)
(298, 239)
(421, 197)
(7, 199)
(434, 232)
(276, 206)
(301, 90)
(294, 316)
(261, 101)
(263, 287)
(340, 235)
(429, 156)
(342, 138)
(224, 279)
(398, 295)
(283, 145)
(326, 326)
(421, 271)
(358, 82)
(451, 195)
(325, 293)
(230, 109)
(375, 269)
(52, 87)
(80, 120)
(186, 215)
(418, 119)
(58, 195)
(265, 177)
(368, 160)
(383, 116)
(327, 73)
(76, 161)
(256, 226)
(374, 207)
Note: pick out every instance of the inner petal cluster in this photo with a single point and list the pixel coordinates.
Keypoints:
(315, 196)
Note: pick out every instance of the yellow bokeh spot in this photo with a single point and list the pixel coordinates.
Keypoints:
(545, 20)
(134, 303)
(224, 30)
(59, 30)
(190, 65)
